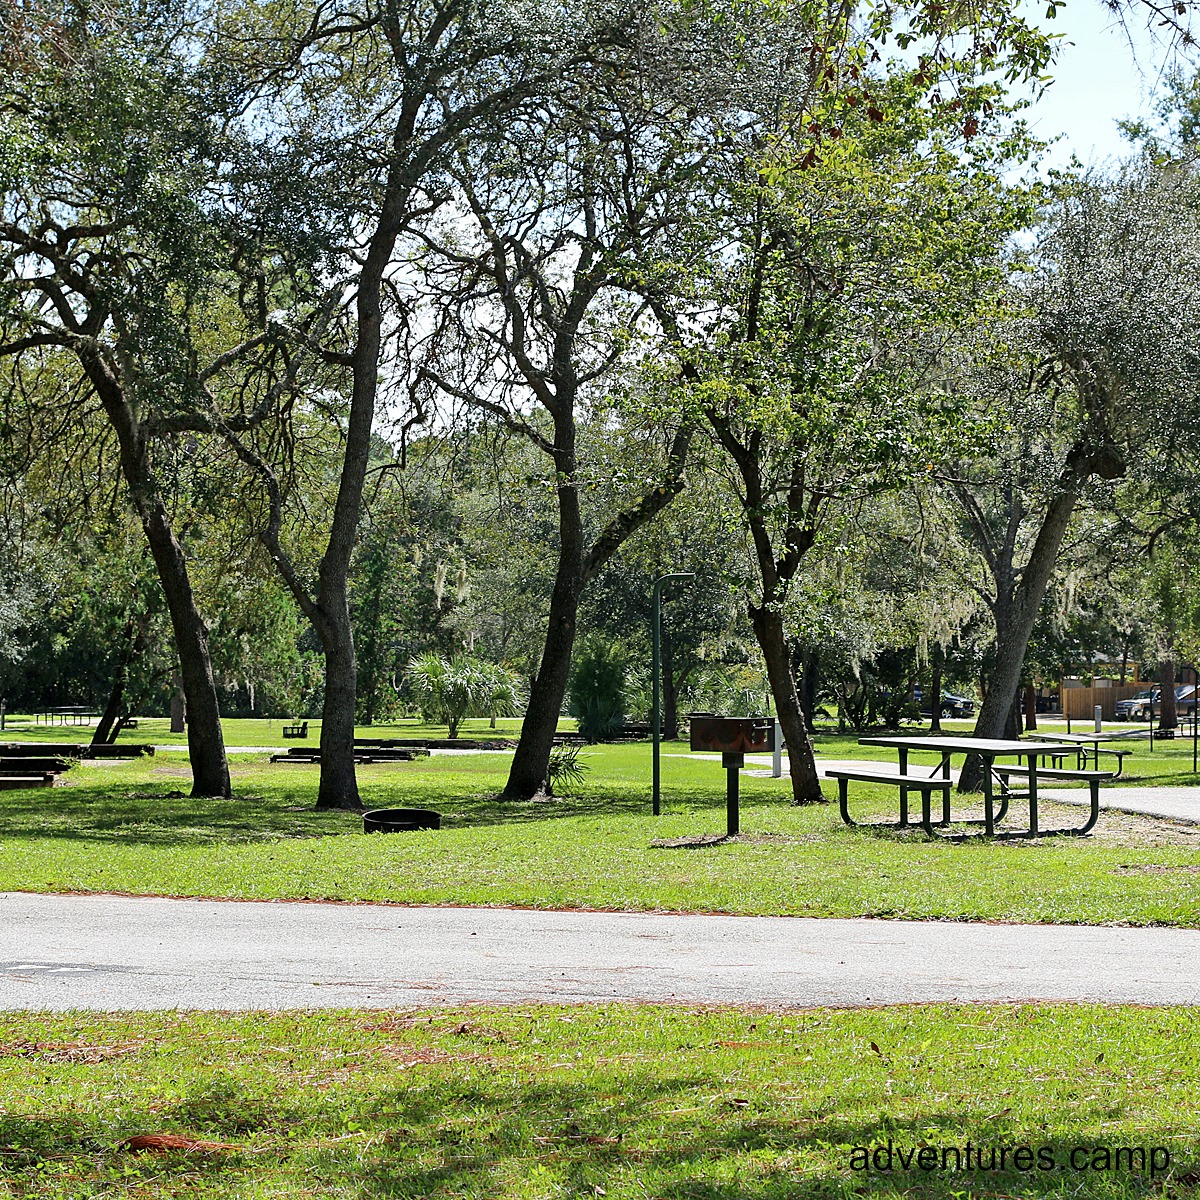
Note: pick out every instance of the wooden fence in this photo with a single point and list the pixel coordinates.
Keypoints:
(1079, 703)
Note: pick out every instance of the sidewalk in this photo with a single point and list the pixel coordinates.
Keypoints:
(116, 952)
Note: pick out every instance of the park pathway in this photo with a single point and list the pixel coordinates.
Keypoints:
(120, 952)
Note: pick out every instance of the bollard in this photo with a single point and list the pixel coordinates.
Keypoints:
(1098, 712)
(777, 753)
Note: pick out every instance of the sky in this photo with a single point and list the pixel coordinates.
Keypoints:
(1099, 78)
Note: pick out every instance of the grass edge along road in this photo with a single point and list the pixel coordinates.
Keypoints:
(622, 1101)
(130, 827)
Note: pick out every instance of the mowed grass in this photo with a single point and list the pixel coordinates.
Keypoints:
(258, 731)
(634, 1102)
(130, 827)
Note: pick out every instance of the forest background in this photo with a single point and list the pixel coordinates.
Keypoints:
(341, 347)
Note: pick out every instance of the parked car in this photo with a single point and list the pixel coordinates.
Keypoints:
(952, 705)
(1137, 708)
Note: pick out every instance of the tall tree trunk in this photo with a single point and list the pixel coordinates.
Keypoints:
(112, 709)
(116, 693)
(670, 709)
(338, 785)
(1168, 718)
(1015, 619)
(1030, 708)
(802, 764)
(810, 661)
(206, 743)
(935, 690)
(1016, 607)
(577, 565)
(528, 773)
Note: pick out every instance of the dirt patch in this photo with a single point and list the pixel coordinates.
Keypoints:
(67, 1052)
(1132, 829)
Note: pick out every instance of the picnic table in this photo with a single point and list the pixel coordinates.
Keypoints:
(1027, 768)
(70, 714)
(1094, 744)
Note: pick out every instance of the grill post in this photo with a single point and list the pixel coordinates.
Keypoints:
(732, 764)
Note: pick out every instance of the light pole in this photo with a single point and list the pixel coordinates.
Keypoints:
(655, 673)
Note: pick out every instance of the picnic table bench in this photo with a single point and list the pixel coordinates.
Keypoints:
(1092, 778)
(877, 772)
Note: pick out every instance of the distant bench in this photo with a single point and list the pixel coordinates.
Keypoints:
(299, 730)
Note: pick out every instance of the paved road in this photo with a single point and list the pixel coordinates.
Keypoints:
(100, 952)
(1174, 803)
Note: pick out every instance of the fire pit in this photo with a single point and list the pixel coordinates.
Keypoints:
(400, 820)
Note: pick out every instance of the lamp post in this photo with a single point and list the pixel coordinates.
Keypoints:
(655, 673)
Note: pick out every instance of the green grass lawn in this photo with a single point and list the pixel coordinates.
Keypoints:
(258, 731)
(623, 1102)
(129, 827)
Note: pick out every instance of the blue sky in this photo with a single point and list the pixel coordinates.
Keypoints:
(1098, 79)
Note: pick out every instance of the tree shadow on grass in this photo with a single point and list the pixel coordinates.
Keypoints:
(118, 814)
(358, 1123)
(125, 813)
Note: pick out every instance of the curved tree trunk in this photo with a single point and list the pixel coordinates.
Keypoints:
(206, 742)
(527, 777)
(802, 764)
(1015, 615)
(110, 723)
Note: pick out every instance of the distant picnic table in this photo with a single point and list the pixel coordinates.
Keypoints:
(1094, 744)
(69, 714)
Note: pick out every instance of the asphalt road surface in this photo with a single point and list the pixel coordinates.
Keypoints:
(117, 952)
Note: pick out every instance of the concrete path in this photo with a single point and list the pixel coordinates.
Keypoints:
(1174, 803)
(115, 952)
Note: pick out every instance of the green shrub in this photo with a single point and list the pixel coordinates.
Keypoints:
(597, 689)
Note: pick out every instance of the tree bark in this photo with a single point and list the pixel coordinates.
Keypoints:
(670, 708)
(206, 742)
(935, 691)
(1168, 718)
(802, 765)
(1015, 612)
(178, 705)
(809, 666)
(1030, 708)
(528, 774)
